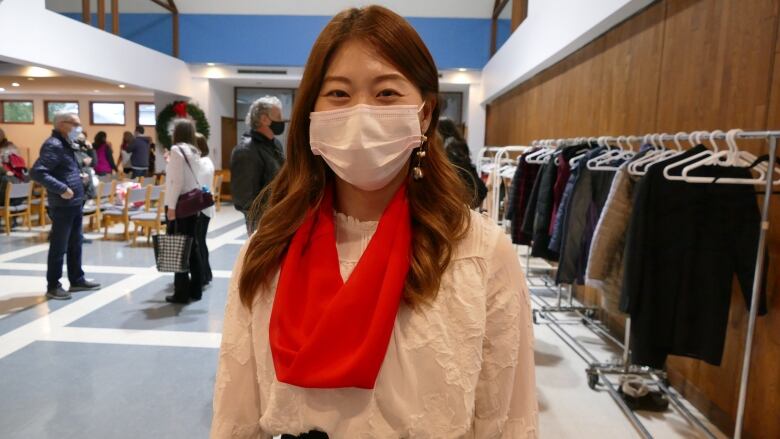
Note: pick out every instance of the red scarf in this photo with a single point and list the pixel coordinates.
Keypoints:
(326, 333)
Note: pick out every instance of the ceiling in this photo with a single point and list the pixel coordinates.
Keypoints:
(64, 86)
(406, 8)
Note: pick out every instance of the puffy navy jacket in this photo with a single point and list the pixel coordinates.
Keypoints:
(57, 170)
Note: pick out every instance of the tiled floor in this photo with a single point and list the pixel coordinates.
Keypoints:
(122, 363)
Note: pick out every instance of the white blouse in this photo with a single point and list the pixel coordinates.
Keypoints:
(462, 367)
(178, 177)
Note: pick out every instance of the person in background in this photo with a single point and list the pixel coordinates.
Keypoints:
(13, 164)
(104, 155)
(183, 168)
(124, 160)
(139, 153)
(459, 156)
(58, 171)
(258, 157)
(86, 160)
(206, 179)
(13, 169)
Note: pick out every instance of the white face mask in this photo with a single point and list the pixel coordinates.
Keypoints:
(366, 145)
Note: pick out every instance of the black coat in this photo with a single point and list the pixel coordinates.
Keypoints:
(253, 164)
(57, 169)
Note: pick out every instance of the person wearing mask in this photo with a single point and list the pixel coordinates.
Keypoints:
(371, 302)
(460, 157)
(138, 148)
(206, 179)
(184, 166)
(258, 157)
(104, 155)
(58, 170)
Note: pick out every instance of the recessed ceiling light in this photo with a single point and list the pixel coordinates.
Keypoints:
(122, 86)
(462, 69)
(2, 89)
(15, 84)
(96, 91)
(210, 64)
(31, 79)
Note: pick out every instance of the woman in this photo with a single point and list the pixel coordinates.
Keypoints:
(104, 155)
(206, 179)
(371, 302)
(459, 155)
(183, 168)
(127, 139)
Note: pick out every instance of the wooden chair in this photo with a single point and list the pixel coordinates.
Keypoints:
(91, 209)
(122, 214)
(151, 218)
(39, 203)
(217, 189)
(14, 191)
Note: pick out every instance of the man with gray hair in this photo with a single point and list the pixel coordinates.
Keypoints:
(257, 158)
(59, 171)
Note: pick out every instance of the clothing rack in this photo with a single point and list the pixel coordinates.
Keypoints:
(502, 154)
(599, 371)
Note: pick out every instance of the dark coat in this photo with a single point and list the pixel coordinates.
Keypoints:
(253, 164)
(57, 169)
(139, 152)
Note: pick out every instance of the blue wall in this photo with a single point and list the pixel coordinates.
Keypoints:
(285, 40)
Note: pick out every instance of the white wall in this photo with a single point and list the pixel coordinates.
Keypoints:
(553, 30)
(33, 35)
(216, 100)
(475, 120)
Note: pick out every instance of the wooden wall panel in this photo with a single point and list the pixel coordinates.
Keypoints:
(679, 65)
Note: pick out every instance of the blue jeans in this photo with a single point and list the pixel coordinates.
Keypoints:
(65, 238)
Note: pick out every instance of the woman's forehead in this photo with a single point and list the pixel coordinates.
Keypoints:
(357, 58)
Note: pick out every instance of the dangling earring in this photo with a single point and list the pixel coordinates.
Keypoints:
(417, 172)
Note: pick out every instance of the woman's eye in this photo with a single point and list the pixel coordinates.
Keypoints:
(337, 94)
(386, 93)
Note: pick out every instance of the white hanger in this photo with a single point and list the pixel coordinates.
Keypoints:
(733, 157)
(696, 157)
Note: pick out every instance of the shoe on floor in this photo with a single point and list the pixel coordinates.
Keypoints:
(639, 397)
(84, 286)
(174, 299)
(58, 294)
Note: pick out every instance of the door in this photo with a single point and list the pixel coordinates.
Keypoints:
(229, 140)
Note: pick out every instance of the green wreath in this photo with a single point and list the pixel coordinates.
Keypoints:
(176, 110)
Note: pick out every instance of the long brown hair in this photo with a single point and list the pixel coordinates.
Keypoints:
(437, 202)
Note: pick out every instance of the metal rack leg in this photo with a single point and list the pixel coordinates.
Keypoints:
(743, 385)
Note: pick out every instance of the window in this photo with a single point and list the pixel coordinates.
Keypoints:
(451, 105)
(17, 112)
(53, 107)
(146, 114)
(107, 113)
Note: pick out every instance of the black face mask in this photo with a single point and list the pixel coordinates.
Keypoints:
(277, 127)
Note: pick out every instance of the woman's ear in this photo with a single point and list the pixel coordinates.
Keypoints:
(426, 115)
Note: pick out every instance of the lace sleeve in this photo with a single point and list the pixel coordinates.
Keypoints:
(236, 392)
(506, 405)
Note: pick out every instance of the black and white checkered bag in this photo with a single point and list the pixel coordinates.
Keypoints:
(172, 253)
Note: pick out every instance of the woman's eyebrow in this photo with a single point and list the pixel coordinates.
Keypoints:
(390, 77)
(343, 79)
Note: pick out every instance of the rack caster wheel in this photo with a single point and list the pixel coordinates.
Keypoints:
(534, 317)
(593, 380)
(590, 313)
